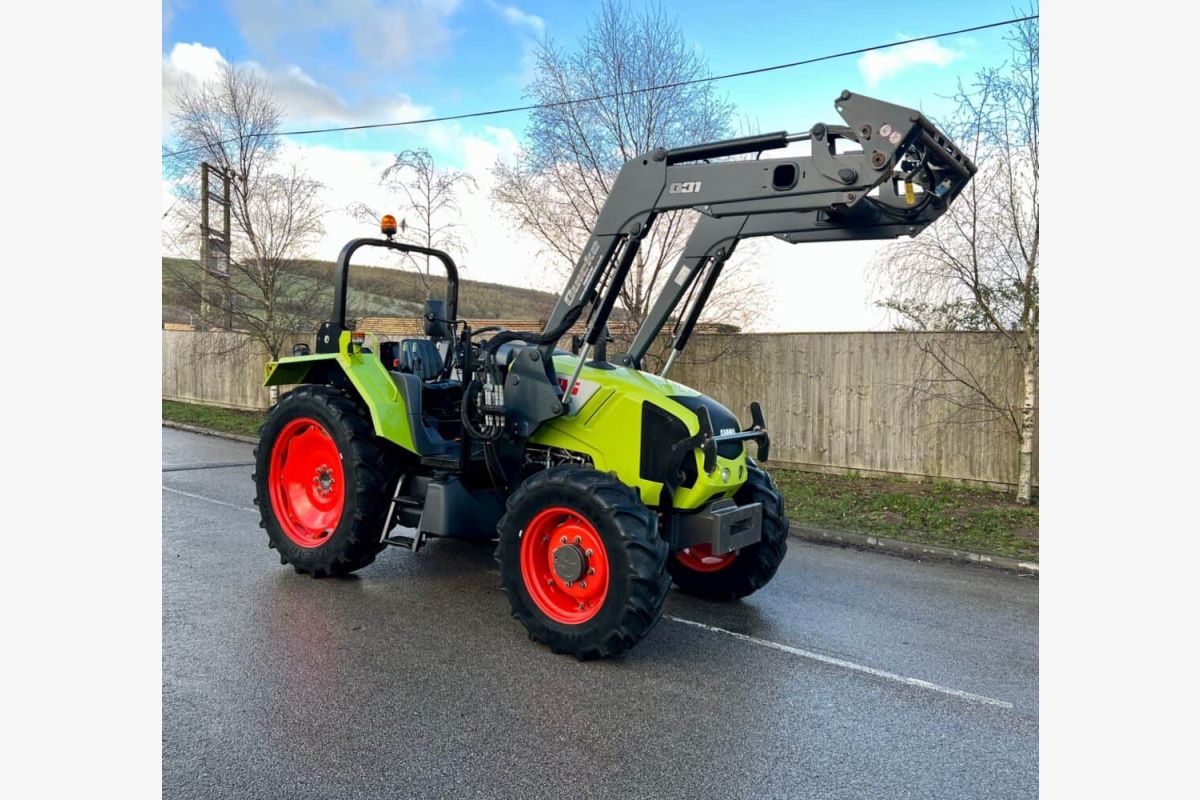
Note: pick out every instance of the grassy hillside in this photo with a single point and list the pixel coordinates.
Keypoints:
(374, 291)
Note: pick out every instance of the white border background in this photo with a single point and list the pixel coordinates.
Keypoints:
(82, 587)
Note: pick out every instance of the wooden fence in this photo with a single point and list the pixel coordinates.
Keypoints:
(870, 402)
(216, 368)
(875, 403)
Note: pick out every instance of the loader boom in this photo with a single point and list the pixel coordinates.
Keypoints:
(822, 196)
(713, 241)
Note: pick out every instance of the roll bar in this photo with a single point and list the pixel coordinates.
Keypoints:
(330, 332)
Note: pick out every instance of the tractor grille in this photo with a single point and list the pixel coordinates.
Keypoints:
(660, 432)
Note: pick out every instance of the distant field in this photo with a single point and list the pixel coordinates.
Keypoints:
(378, 291)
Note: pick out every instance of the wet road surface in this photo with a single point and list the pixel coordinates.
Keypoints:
(851, 675)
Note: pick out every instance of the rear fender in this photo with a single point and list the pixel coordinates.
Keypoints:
(366, 375)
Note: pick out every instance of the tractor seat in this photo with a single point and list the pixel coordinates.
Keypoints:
(419, 357)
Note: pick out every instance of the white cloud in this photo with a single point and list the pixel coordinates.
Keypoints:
(825, 284)
(304, 100)
(383, 32)
(530, 28)
(879, 65)
(193, 60)
(518, 18)
(492, 249)
(818, 286)
(481, 154)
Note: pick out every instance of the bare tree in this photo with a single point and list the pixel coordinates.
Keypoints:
(976, 268)
(231, 122)
(429, 198)
(559, 183)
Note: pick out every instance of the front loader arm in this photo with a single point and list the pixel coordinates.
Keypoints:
(834, 189)
(893, 140)
(714, 239)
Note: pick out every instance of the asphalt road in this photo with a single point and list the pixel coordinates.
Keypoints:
(850, 675)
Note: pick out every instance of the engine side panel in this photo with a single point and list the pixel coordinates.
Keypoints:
(609, 422)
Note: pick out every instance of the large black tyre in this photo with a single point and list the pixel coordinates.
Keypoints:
(617, 538)
(753, 566)
(323, 431)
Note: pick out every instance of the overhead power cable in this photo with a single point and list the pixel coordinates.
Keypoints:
(611, 95)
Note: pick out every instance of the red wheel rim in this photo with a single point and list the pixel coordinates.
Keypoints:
(308, 488)
(564, 565)
(701, 559)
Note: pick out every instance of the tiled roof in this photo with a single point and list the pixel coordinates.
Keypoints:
(415, 326)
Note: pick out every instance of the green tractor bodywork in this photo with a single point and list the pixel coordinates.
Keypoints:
(606, 428)
(365, 372)
(609, 429)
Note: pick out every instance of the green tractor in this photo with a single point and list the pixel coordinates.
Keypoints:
(601, 483)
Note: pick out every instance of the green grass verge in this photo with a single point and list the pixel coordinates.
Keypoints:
(942, 514)
(226, 420)
(927, 513)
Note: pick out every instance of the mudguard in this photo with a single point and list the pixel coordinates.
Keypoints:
(366, 374)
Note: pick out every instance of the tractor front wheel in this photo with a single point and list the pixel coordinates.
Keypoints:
(322, 480)
(582, 562)
(697, 571)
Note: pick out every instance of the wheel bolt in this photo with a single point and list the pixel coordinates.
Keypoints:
(570, 584)
(588, 552)
(564, 540)
(583, 584)
(591, 570)
(578, 540)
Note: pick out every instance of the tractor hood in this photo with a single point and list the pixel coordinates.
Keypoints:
(629, 421)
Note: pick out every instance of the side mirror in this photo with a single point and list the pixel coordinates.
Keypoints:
(436, 325)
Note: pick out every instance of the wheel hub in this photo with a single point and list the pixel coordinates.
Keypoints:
(569, 563)
(324, 481)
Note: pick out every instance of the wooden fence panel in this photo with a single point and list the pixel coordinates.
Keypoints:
(216, 368)
(872, 402)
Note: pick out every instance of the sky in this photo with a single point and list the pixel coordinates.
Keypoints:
(350, 62)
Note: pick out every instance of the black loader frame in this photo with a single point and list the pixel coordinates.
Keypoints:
(825, 196)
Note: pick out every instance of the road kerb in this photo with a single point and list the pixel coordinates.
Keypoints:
(911, 549)
(183, 426)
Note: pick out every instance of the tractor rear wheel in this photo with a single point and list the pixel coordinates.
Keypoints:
(697, 571)
(582, 562)
(322, 479)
